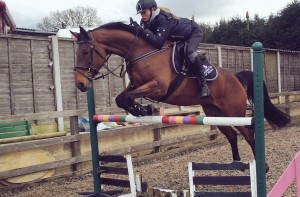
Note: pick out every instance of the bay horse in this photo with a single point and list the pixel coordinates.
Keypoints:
(151, 74)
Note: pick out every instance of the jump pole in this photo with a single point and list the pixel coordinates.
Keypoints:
(196, 120)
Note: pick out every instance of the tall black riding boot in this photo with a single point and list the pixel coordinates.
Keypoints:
(198, 67)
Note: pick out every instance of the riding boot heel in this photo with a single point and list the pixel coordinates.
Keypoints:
(204, 91)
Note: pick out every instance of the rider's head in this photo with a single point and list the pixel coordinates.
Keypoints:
(145, 7)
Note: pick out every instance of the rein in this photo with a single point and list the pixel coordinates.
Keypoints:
(147, 55)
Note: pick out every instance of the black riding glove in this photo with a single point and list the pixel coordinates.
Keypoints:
(136, 26)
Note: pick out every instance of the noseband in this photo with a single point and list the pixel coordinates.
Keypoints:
(91, 71)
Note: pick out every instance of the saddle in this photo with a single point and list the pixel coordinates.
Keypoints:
(180, 62)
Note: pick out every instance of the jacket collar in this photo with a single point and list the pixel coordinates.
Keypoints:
(154, 14)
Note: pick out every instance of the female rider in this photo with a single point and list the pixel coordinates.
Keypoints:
(158, 25)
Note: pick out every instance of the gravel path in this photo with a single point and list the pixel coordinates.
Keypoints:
(171, 171)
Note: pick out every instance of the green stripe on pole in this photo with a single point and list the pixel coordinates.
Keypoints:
(123, 118)
(259, 118)
(93, 139)
(200, 120)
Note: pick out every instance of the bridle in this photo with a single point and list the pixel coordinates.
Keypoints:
(91, 70)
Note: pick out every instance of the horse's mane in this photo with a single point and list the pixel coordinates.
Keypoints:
(116, 26)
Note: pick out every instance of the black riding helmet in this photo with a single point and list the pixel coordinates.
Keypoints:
(145, 4)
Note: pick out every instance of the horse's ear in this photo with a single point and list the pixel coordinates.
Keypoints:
(84, 34)
(75, 34)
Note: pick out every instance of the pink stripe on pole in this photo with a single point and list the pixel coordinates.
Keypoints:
(172, 119)
(100, 118)
(297, 164)
(285, 180)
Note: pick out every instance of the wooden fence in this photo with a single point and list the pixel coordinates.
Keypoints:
(37, 84)
(36, 75)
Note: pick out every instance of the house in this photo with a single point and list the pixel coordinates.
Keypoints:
(8, 26)
(7, 23)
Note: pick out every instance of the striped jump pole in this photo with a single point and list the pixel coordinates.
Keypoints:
(196, 120)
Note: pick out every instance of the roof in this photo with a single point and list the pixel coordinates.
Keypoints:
(32, 32)
(6, 17)
(65, 33)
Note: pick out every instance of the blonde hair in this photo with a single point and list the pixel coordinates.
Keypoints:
(164, 9)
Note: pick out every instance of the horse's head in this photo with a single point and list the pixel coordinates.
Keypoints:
(89, 59)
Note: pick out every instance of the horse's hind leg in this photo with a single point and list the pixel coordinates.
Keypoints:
(126, 101)
(229, 132)
(249, 137)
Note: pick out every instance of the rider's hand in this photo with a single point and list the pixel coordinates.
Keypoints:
(136, 26)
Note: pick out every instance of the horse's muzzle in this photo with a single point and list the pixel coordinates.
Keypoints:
(82, 87)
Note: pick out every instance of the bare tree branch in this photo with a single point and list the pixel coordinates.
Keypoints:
(73, 17)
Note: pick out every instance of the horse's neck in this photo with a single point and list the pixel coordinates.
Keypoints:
(123, 43)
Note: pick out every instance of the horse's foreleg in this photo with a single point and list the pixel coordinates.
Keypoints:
(231, 136)
(126, 99)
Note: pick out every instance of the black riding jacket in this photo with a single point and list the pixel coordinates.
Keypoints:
(163, 26)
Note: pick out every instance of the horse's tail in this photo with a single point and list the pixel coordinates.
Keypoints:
(275, 117)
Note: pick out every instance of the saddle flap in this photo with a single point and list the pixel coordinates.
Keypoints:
(180, 66)
(178, 54)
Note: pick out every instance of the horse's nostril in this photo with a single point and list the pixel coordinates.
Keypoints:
(81, 86)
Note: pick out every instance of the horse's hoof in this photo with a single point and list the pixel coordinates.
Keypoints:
(151, 110)
(140, 113)
(267, 168)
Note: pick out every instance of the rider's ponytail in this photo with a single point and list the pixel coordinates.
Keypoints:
(167, 10)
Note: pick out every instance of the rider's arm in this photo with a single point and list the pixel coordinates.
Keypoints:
(158, 36)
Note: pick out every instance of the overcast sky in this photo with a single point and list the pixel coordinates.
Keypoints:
(27, 13)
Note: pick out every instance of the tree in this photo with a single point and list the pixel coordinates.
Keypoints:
(74, 17)
(207, 31)
(279, 31)
(287, 27)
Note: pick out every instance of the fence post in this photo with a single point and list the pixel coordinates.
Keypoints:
(279, 75)
(220, 56)
(259, 118)
(57, 81)
(75, 146)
